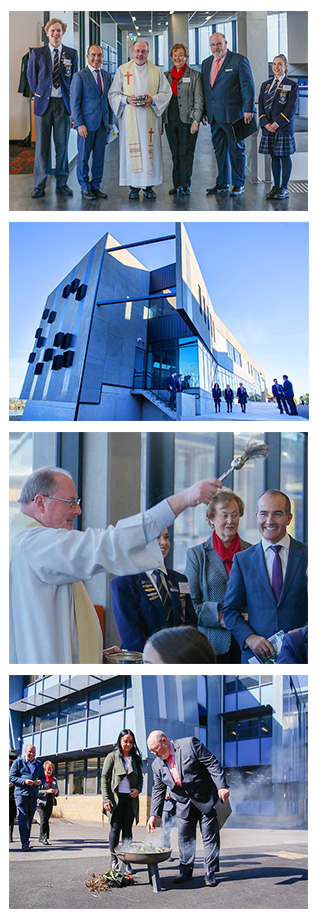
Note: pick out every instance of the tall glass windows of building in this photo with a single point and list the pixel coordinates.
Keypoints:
(292, 478)
(21, 464)
(249, 484)
(195, 458)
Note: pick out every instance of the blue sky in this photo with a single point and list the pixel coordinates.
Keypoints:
(256, 275)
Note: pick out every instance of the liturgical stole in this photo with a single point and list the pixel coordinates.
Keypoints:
(131, 114)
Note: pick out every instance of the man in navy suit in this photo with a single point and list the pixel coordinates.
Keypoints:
(27, 775)
(147, 602)
(229, 95)
(91, 114)
(196, 781)
(50, 71)
(268, 581)
(277, 391)
(289, 394)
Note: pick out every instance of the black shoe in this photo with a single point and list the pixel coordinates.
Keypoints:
(98, 193)
(43, 840)
(179, 189)
(274, 190)
(134, 194)
(210, 879)
(38, 192)
(183, 877)
(217, 190)
(88, 195)
(281, 194)
(65, 190)
(149, 193)
(173, 190)
(186, 189)
(237, 189)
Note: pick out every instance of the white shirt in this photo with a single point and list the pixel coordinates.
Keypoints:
(94, 73)
(55, 93)
(124, 785)
(269, 555)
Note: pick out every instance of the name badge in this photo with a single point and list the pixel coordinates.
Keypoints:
(230, 70)
(184, 588)
(286, 88)
(186, 79)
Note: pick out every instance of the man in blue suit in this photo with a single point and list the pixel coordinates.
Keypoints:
(147, 602)
(91, 114)
(289, 395)
(268, 582)
(229, 95)
(50, 71)
(27, 775)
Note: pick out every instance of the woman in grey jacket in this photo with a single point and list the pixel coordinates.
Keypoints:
(121, 783)
(208, 568)
(182, 117)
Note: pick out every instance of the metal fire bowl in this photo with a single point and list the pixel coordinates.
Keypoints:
(146, 859)
(123, 657)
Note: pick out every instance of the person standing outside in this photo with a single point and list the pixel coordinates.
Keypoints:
(289, 395)
(27, 775)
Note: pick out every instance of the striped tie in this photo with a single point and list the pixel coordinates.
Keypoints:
(56, 67)
(164, 596)
(270, 96)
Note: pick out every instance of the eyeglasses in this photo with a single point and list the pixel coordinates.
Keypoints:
(71, 503)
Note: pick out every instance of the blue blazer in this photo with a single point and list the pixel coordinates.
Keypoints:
(233, 90)
(249, 590)
(20, 772)
(138, 609)
(40, 76)
(295, 647)
(288, 388)
(201, 777)
(283, 107)
(87, 105)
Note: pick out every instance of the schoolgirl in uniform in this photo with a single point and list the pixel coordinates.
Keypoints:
(278, 101)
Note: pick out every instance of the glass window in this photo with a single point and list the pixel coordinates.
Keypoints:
(266, 726)
(112, 698)
(292, 477)
(75, 784)
(248, 729)
(277, 35)
(78, 710)
(230, 684)
(249, 484)
(93, 703)
(192, 46)
(47, 718)
(188, 363)
(27, 725)
(230, 732)
(195, 458)
(245, 683)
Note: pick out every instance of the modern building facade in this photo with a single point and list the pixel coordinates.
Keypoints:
(112, 332)
(256, 725)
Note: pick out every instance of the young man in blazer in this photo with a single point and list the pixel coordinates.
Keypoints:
(50, 71)
(91, 114)
(196, 781)
(268, 581)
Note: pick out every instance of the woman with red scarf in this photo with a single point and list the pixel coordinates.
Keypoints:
(208, 569)
(182, 117)
(46, 801)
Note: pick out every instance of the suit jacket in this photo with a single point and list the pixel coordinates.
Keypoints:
(288, 388)
(249, 590)
(88, 106)
(242, 394)
(206, 595)
(228, 394)
(138, 609)
(40, 76)
(189, 95)
(233, 90)
(283, 108)
(201, 777)
(295, 647)
(20, 772)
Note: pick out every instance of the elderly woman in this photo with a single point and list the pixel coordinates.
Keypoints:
(208, 568)
(46, 801)
(121, 782)
(278, 101)
(182, 117)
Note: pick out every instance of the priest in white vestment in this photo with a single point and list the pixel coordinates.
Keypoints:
(139, 95)
(52, 619)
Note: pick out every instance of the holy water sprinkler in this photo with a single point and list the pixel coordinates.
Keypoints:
(254, 449)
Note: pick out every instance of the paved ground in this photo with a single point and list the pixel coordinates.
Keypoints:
(259, 869)
(257, 410)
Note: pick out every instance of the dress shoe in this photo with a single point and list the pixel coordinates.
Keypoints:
(183, 877)
(173, 191)
(272, 193)
(210, 879)
(65, 190)
(186, 189)
(217, 190)
(98, 193)
(88, 195)
(38, 192)
(237, 189)
(134, 194)
(281, 194)
(149, 194)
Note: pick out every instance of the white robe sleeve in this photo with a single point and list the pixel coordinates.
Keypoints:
(161, 99)
(116, 96)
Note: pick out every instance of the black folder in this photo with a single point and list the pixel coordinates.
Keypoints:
(242, 130)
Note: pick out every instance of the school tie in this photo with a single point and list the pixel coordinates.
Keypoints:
(277, 575)
(215, 72)
(270, 96)
(56, 66)
(99, 82)
(164, 596)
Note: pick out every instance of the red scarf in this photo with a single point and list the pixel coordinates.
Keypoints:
(49, 779)
(176, 76)
(226, 554)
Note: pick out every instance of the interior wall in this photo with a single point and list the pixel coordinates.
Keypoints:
(23, 35)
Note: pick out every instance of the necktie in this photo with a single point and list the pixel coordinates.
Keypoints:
(56, 65)
(215, 72)
(270, 96)
(164, 596)
(277, 576)
(99, 82)
(173, 770)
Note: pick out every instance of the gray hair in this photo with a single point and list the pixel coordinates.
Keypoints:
(43, 481)
(140, 39)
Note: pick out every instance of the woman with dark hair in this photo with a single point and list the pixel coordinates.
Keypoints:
(278, 101)
(121, 783)
(182, 117)
(216, 394)
(178, 644)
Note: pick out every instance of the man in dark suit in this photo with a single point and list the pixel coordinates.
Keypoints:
(228, 397)
(196, 781)
(289, 395)
(277, 391)
(267, 581)
(147, 602)
(91, 115)
(172, 388)
(229, 95)
(50, 71)
(27, 775)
